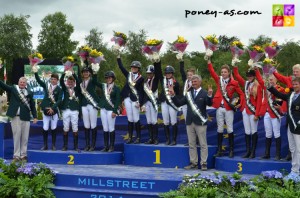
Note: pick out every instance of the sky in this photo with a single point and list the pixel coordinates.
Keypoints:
(162, 19)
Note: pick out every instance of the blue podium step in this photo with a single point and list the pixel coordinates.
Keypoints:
(250, 166)
(65, 192)
(162, 155)
(74, 157)
(115, 181)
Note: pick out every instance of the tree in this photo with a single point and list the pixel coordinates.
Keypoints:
(95, 39)
(260, 40)
(288, 57)
(225, 41)
(15, 39)
(54, 37)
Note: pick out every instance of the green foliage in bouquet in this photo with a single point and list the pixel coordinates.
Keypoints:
(26, 180)
(268, 184)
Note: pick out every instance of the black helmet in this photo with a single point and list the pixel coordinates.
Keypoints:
(169, 69)
(136, 64)
(110, 74)
(150, 69)
(250, 73)
(86, 69)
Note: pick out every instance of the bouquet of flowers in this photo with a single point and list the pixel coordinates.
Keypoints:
(237, 49)
(68, 62)
(268, 67)
(120, 40)
(83, 53)
(95, 58)
(152, 48)
(179, 46)
(255, 53)
(34, 60)
(211, 45)
(272, 49)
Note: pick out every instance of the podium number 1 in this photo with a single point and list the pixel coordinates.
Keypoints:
(157, 157)
(71, 161)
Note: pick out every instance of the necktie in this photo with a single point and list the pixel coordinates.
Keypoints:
(295, 97)
(195, 93)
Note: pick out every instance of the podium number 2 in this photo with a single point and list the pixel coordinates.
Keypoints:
(240, 167)
(71, 161)
(157, 157)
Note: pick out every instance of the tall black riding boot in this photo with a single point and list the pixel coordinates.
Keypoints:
(65, 147)
(254, 143)
(278, 148)
(130, 133)
(87, 139)
(155, 134)
(150, 131)
(268, 147)
(248, 146)
(53, 133)
(94, 139)
(289, 156)
(174, 134)
(45, 139)
(75, 137)
(105, 137)
(231, 144)
(167, 132)
(112, 137)
(220, 140)
(138, 132)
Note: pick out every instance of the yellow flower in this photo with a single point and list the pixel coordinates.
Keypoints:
(37, 55)
(120, 34)
(181, 39)
(258, 48)
(268, 61)
(274, 44)
(212, 38)
(95, 53)
(68, 58)
(153, 42)
(287, 90)
(238, 44)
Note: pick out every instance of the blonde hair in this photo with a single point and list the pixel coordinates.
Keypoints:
(297, 66)
(254, 88)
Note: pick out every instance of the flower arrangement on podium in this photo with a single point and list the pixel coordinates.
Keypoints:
(211, 45)
(83, 53)
(179, 46)
(35, 59)
(95, 58)
(152, 48)
(237, 49)
(256, 52)
(120, 40)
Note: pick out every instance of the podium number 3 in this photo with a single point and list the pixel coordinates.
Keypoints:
(240, 167)
(71, 161)
(157, 157)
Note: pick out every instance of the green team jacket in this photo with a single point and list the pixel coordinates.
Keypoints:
(57, 93)
(15, 103)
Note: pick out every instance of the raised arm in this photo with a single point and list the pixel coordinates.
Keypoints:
(259, 79)
(284, 79)
(183, 74)
(38, 79)
(5, 87)
(158, 71)
(122, 68)
(212, 71)
(62, 81)
(238, 77)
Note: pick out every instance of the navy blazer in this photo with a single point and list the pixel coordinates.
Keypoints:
(295, 109)
(157, 67)
(202, 100)
(162, 96)
(139, 85)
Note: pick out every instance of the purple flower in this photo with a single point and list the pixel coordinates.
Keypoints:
(272, 174)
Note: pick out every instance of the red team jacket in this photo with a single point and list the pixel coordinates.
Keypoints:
(265, 104)
(231, 88)
(254, 101)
